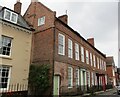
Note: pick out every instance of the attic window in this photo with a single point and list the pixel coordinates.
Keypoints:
(41, 21)
(10, 16)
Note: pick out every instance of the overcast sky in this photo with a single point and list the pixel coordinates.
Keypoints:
(91, 19)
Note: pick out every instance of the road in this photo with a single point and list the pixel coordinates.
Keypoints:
(108, 93)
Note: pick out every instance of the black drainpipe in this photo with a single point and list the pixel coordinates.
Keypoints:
(53, 53)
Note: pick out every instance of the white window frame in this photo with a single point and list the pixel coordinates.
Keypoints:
(98, 65)
(9, 75)
(105, 65)
(11, 15)
(94, 62)
(71, 76)
(41, 21)
(87, 57)
(70, 48)
(88, 78)
(63, 45)
(82, 54)
(91, 61)
(113, 72)
(102, 65)
(1, 41)
(92, 78)
(77, 77)
(76, 51)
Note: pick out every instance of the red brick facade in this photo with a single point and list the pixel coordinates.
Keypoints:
(45, 48)
(110, 68)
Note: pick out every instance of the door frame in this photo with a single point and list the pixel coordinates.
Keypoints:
(58, 76)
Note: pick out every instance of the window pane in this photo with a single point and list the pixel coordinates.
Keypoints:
(82, 54)
(7, 15)
(91, 61)
(14, 17)
(5, 46)
(4, 85)
(70, 79)
(70, 48)
(4, 76)
(77, 77)
(61, 44)
(76, 51)
(41, 21)
(87, 57)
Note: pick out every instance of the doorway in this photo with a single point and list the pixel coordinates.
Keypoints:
(56, 85)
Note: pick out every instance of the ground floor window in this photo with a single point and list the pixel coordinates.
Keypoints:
(92, 78)
(77, 77)
(4, 76)
(88, 78)
(70, 77)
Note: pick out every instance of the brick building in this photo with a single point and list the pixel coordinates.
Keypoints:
(110, 68)
(74, 61)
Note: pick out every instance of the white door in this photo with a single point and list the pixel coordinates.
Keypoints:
(56, 85)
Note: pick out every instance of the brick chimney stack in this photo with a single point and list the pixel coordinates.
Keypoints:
(91, 41)
(64, 18)
(17, 7)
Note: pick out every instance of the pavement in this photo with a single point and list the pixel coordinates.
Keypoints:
(107, 93)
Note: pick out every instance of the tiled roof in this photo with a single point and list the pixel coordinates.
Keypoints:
(20, 20)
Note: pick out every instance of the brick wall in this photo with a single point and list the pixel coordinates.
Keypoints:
(43, 43)
(37, 10)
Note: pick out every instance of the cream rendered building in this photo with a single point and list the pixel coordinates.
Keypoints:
(15, 49)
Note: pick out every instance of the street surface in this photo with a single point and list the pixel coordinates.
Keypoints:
(108, 93)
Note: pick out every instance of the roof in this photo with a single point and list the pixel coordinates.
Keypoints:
(20, 20)
(37, 3)
(68, 28)
(110, 61)
(80, 37)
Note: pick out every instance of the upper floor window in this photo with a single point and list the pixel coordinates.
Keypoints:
(98, 62)
(5, 45)
(102, 65)
(76, 51)
(91, 61)
(87, 57)
(41, 21)
(82, 54)
(94, 62)
(61, 44)
(4, 76)
(70, 77)
(70, 52)
(105, 65)
(10, 16)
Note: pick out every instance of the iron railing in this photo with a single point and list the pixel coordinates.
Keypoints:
(19, 90)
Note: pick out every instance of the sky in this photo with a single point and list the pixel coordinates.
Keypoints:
(91, 18)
